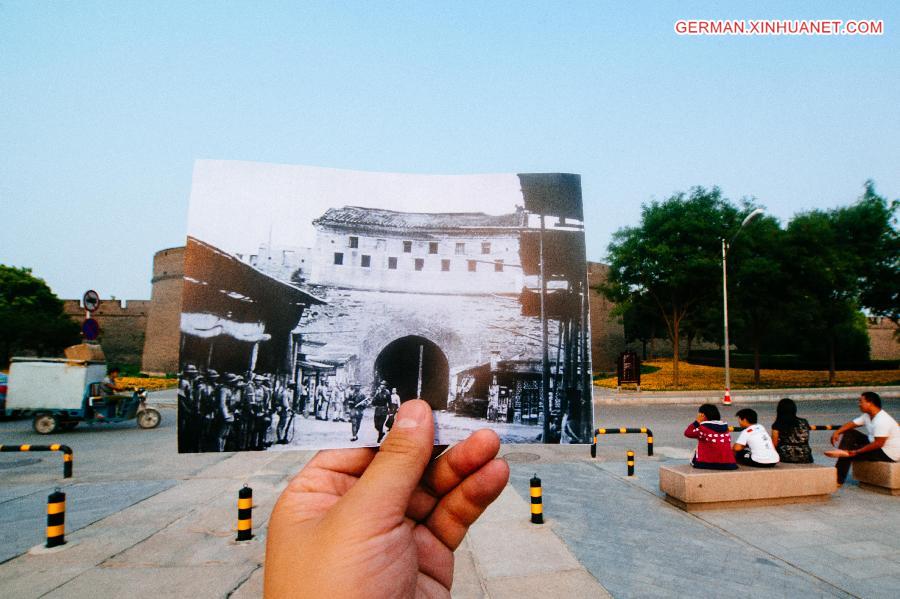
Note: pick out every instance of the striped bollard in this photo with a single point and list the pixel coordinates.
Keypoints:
(629, 459)
(245, 511)
(594, 447)
(67, 458)
(56, 519)
(537, 501)
(649, 442)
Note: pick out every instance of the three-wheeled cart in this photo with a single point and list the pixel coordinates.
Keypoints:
(60, 393)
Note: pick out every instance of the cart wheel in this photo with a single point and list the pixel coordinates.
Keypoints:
(44, 424)
(148, 418)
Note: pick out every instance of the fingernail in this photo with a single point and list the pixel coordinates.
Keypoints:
(412, 414)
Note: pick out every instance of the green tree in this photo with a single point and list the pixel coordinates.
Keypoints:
(31, 316)
(641, 321)
(843, 260)
(760, 292)
(673, 257)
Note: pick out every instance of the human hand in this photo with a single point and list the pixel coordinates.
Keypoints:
(835, 437)
(357, 522)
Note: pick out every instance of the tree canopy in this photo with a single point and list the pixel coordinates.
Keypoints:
(798, 289)
(31, 316)
(672, 257)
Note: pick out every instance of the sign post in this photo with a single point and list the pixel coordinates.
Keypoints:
(90, 328)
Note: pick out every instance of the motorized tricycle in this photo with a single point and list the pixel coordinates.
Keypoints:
(59, 394)
(97, 409)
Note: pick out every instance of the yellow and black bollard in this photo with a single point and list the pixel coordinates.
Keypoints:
(594, 447)
(629, 459)
(56, 519)
(245, 514)
(537, 501)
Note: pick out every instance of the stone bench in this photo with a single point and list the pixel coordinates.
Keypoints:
(883, 477)
(692, 488)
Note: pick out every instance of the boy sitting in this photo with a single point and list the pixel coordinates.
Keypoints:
(754, 447)
(713, 440)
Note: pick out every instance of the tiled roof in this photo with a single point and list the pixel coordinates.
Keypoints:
(390, 219)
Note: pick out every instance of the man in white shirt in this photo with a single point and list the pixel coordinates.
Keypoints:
(754, 447)
(881, 443)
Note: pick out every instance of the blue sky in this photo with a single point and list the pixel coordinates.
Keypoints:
(104, 106)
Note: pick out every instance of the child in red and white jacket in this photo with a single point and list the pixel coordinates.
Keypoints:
(713, 440)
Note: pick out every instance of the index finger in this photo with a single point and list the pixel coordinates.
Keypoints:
(446, 472)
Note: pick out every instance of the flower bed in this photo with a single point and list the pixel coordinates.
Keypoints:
(701, 378)
(148, 383)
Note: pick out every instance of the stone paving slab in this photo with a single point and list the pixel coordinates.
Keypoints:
(635, 545)
(86, 503)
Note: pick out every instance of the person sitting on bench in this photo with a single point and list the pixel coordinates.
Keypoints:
(754, 446)
(713, 440)
(881, 443)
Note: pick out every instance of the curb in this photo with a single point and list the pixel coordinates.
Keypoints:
(604, 396)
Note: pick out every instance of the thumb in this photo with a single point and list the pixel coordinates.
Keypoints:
(387, 484)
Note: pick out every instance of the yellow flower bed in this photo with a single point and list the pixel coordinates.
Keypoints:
(149, 383)
(701, 378)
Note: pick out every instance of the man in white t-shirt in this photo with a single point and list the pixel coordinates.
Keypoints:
(881, 443)
(754, 447)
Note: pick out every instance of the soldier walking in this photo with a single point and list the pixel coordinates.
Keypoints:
(381, 401)
(354, 405)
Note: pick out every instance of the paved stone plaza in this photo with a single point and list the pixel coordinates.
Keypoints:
(143, 521)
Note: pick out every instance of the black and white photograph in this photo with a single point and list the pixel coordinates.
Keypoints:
(318, 300)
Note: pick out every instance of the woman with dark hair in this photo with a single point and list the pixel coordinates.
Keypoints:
(790, 434)
(713, 440)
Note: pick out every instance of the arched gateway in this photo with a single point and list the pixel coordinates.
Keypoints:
(413, 361)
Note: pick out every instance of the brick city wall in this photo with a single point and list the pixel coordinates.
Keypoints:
(122, 326)
(883, 339)
(607, 332)
(465, 328)
(160, 353)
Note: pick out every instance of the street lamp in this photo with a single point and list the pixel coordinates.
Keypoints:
(725, 247)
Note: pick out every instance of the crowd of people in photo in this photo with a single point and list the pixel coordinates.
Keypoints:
(253, 411)
(789, 441)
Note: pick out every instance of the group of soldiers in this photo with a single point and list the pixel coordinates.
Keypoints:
(230, 412)
(253, 411)
(340, 403)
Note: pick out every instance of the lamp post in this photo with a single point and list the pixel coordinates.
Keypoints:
(725, 247)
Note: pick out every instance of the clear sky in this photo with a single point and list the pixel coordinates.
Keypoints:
(105, 106)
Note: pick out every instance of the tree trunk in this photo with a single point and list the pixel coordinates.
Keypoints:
(755, 357)
(675, 351)
(831, 356)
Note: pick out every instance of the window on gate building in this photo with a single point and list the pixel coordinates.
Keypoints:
(498, 265)
(420, 263)
(432, 247)
(445, 265)
(339, 258)
(366, 261)
(407, 247)
(473, 266)
(460, 249)
(392, 263)
(485, 247)
(354, 242)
